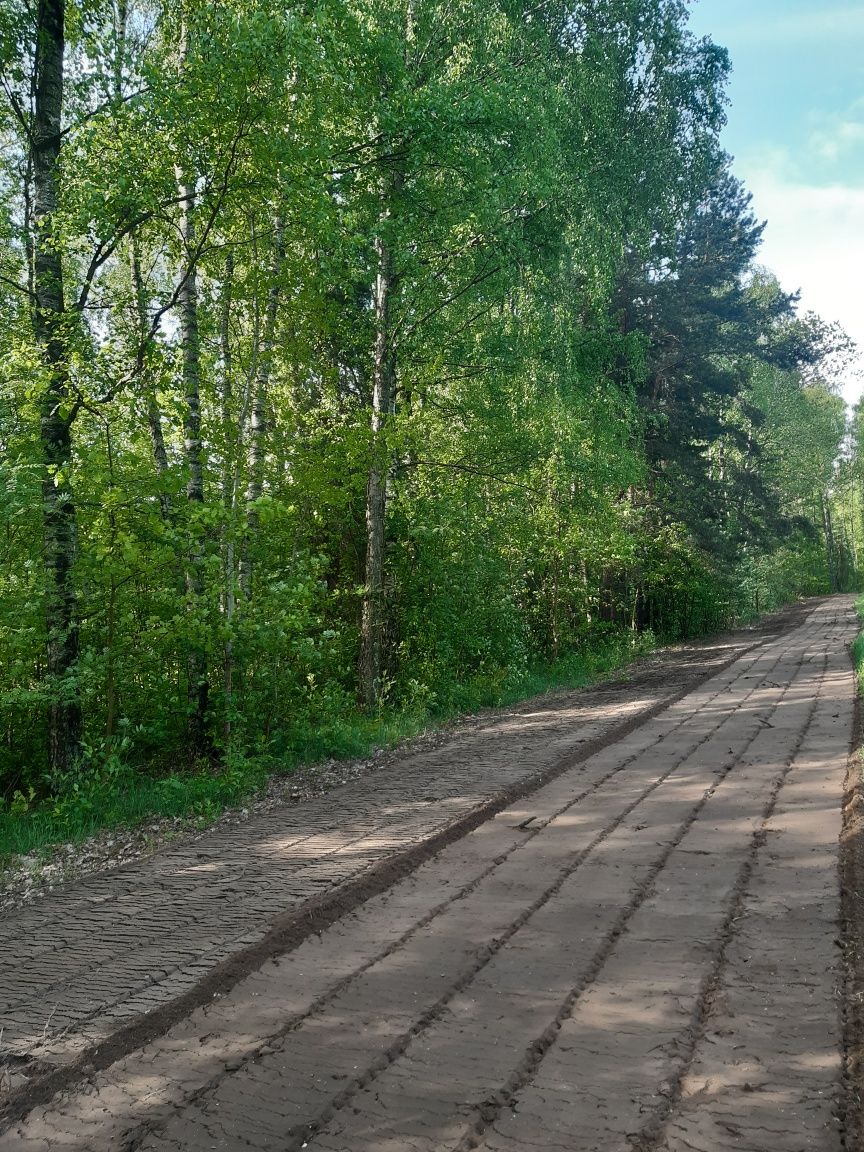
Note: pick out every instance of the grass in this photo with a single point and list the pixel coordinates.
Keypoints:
(113, 794)
(858, 647)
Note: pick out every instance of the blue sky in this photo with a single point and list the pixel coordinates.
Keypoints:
(796, 130)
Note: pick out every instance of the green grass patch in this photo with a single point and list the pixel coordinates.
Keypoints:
(114, 794)
(858, 647)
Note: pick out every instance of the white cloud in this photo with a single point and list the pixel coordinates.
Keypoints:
(838, 134)
(814, 242)
(834, 142)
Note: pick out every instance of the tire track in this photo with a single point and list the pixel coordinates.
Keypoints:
(667, 1085)
(650, 1135)
(765, 1064)
(486, 1111)
(291, 930)
(399, 1045)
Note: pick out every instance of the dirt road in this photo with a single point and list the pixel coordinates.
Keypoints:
(642, 952)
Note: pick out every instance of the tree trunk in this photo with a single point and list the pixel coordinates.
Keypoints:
(258, 412)
(110, 638)
(228, 493)
(830, 554)
(154, 415)
(198, 686)
(58, 509)
(383, 381)
(121, 20)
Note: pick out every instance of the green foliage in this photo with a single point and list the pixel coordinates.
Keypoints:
(606, 428)
(858, 648)
(107, 791)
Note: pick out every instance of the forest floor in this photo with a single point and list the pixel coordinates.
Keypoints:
(626, 918)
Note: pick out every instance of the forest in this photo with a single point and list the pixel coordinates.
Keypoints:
(360, 359)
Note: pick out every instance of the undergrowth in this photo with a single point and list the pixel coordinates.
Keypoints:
(108, 792)
(858, 647)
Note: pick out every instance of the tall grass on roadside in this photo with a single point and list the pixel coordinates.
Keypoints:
(858, 647)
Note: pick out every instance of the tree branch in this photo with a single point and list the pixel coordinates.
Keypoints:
(451, 299)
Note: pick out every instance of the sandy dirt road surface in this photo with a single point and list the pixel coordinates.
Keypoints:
(615, 922)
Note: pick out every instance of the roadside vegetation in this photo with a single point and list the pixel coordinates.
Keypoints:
(858, 646)
(368, 364)
(113, 792)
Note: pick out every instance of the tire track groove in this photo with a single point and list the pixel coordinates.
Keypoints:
(646, 1135)
(485, 954)
(296, 1138)
(650, 1136)
(488, 1112)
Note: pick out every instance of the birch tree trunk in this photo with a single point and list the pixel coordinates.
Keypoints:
(58, 509)
(229, 488)
(198, 687)
(830, 553)
(383, 381)
(154, 413)
(258, 411)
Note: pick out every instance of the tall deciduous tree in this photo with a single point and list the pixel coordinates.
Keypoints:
(53, 331)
